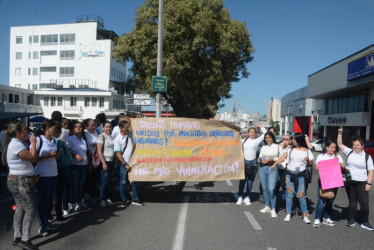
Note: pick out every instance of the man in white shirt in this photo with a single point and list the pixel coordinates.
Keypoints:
(123, 149)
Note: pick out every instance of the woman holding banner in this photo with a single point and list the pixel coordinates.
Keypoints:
(324, 206)
(361, 169)
(250, 145)
(298, 158)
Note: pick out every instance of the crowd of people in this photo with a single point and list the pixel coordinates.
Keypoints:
(286, 169)
(70, 163)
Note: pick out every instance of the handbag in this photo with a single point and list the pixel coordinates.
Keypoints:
(347, 177)
(327, 194)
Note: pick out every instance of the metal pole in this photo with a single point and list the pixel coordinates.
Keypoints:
(159, 54)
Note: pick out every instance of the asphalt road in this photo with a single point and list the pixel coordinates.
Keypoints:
(196, 219)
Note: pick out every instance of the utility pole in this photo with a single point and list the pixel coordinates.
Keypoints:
(159, 53)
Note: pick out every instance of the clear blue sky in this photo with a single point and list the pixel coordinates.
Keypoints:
(292, 38)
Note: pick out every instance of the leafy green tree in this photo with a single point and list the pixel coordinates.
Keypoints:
(204, 51)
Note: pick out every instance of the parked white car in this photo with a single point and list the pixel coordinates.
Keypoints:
(317, 144)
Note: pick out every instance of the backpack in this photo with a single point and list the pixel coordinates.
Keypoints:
(366, 158)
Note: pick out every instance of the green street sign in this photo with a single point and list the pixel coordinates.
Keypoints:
(159, 83)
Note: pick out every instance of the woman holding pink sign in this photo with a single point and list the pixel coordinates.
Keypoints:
(361, 168)
(324, 206)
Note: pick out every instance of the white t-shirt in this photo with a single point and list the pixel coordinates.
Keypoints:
(357, 166)
(91, 140)
(108, 151)
(271, 151)
(119, 145)
(46, 167)
(64, 135)
(115, 132)
(18, 166)
(323, 157)
(250, 146)
(296, 159)
(79, 147)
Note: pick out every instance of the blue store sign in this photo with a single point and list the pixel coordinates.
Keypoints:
(361, 66)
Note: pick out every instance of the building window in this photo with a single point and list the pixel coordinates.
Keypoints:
(86, 101)
(354, 102)
(29, 71)
(35, 86)
(35, 55)
(18, 72)
(48, 53)
(16, 98)
(18, 55)
(67, 38)
(59, 101)
(34, 71)
(94, 101)
(18, 39)
(73, 101)
(53, 101)
(30, 39)
(10, 98)
(36, 39)
(67, 54)
(66, 71)
(49, 39)
(101, 102)
(47, 69)
(46, 100)
(29, 55)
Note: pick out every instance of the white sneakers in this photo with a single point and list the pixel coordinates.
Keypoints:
(247, 201)
(273, 213)
(287, 218)
(240, 201)
(265, 210)
(306, 220)
(105, 203)
(317, 223)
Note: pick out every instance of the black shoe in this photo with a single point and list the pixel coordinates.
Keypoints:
(16, 241)
(60, 221)
(27, 245)
(124, 205)
(137, 202)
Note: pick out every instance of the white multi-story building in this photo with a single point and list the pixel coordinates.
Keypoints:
(70, 68)
(76, 55)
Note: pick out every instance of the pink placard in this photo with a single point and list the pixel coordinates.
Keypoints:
(330, 173)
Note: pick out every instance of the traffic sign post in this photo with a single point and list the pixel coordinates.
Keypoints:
(159, 83)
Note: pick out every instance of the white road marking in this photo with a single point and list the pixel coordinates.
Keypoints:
(272, 248)
(181, 225)
(253, 221)
(229, 183)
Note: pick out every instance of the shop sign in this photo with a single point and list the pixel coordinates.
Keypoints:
(335, 120)
(362, 66)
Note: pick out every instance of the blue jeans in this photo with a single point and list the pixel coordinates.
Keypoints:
(269, 179)
(291, 191)
(46, 187)
(248, 178)
(324, 206)
(76, 175)
(106, 180)
(123, 178)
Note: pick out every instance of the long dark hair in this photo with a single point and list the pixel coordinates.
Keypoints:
(269, 133)
(300, 139)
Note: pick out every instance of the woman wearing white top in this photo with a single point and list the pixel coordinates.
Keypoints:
(269, 153)
(298, 157)
(324, 206)
(105, 149)
(20, 181)
(362, 176)
(250, 145)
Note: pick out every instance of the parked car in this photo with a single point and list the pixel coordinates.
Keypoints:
(317, 145)
(369, 148)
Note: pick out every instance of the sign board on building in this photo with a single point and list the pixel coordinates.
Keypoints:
(142, 99)
(361, 66)
(159, 83)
